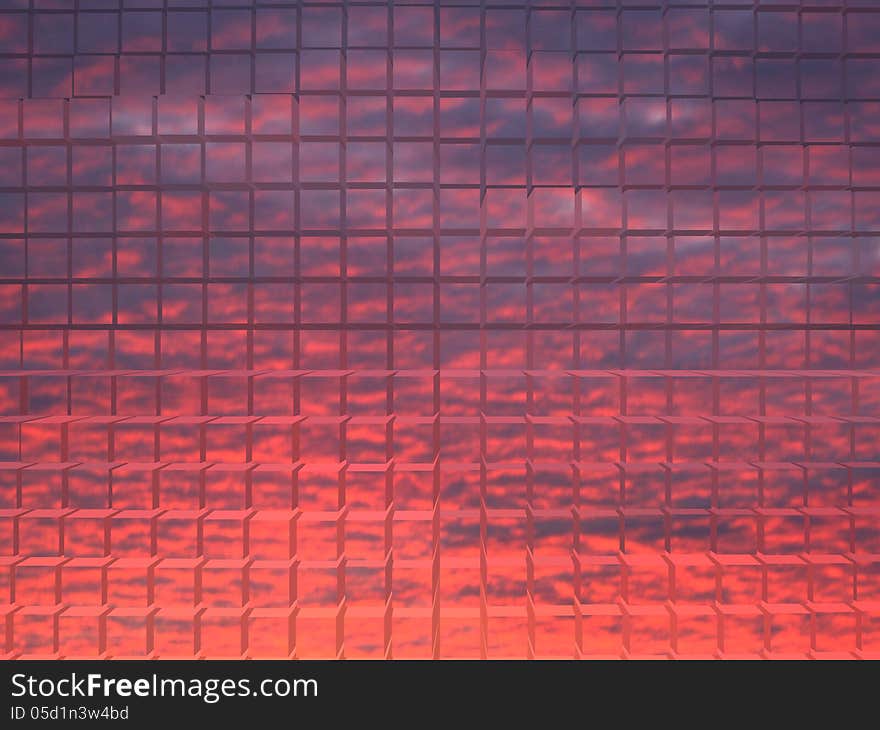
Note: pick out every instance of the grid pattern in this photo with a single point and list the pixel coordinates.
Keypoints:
(473, 329)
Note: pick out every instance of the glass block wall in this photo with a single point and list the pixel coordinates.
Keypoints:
(439, 330)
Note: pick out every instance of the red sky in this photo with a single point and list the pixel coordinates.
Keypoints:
(428, 331)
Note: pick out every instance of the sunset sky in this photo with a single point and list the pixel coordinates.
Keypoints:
(440, 330)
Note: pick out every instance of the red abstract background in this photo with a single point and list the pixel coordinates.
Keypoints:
(439, 330)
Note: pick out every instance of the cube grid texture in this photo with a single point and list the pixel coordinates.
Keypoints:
(454, 329)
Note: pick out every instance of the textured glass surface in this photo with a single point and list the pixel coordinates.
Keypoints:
(452, 329)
